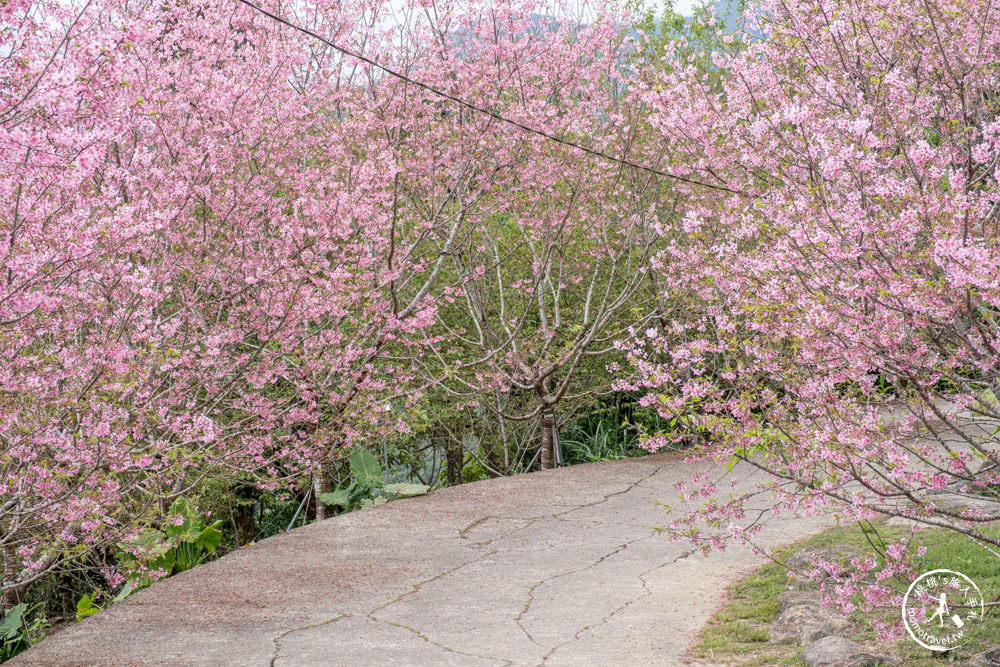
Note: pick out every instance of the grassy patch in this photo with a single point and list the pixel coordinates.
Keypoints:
(737, 634)
(949, 551)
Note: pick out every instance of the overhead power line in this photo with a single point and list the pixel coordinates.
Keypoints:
(488, 112)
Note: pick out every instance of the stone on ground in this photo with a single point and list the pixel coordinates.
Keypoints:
(806, 622)
(840, 652)
(790, 599)
(988, 658)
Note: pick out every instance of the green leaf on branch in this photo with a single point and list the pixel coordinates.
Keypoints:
(86, 607)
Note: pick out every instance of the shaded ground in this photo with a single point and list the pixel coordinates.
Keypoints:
(556, 568)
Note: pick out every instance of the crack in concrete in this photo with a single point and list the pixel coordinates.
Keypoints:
(526, 523)
(443, 647)
(370, 614)
(309, 626)
(533, 587)
(524, 610)
(463, 535)
(531, 591)
(417, 586)
(561, 516)
(645, 585)
(609, 496)
(631, 524)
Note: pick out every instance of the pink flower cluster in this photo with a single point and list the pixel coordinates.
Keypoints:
(842, 329)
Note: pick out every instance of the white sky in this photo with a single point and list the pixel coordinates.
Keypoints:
(682, 7)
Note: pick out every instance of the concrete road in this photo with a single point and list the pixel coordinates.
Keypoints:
(557, 568)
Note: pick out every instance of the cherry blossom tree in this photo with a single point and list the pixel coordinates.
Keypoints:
(550, 267)
(846, 340)
(223, 238)
(545, 289)
(200, 247)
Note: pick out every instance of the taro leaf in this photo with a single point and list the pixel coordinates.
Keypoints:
(210, 538)
(192, 527)
(165, 562)
(11, 625)
(338, 498)
(407, 490)
(189, 528)
(366, 469)
(149, 544)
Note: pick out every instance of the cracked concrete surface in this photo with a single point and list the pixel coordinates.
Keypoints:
(556, 568)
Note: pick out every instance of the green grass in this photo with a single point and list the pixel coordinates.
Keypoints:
(737, 634)
(949, 551)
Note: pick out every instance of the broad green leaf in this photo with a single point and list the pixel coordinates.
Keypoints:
(130, 587)
(86, 607)
(189, 528)
(407, 490)
(366, 469)
(165, 562)
(11, 625)
(338, 498)
(210, 538)
(183, 507)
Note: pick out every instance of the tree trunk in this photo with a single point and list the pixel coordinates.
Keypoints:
(321, 485)
(547, 461)
(66, 595)
(12, 595)
(453, 454)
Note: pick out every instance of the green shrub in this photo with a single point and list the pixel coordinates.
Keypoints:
(17, 633)
(368, 486)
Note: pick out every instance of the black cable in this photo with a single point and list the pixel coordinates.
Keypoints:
(469, 105)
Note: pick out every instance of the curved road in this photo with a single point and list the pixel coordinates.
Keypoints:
(556, 568)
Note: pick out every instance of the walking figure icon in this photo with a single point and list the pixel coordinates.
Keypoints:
(936, 586)
(941, 610)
